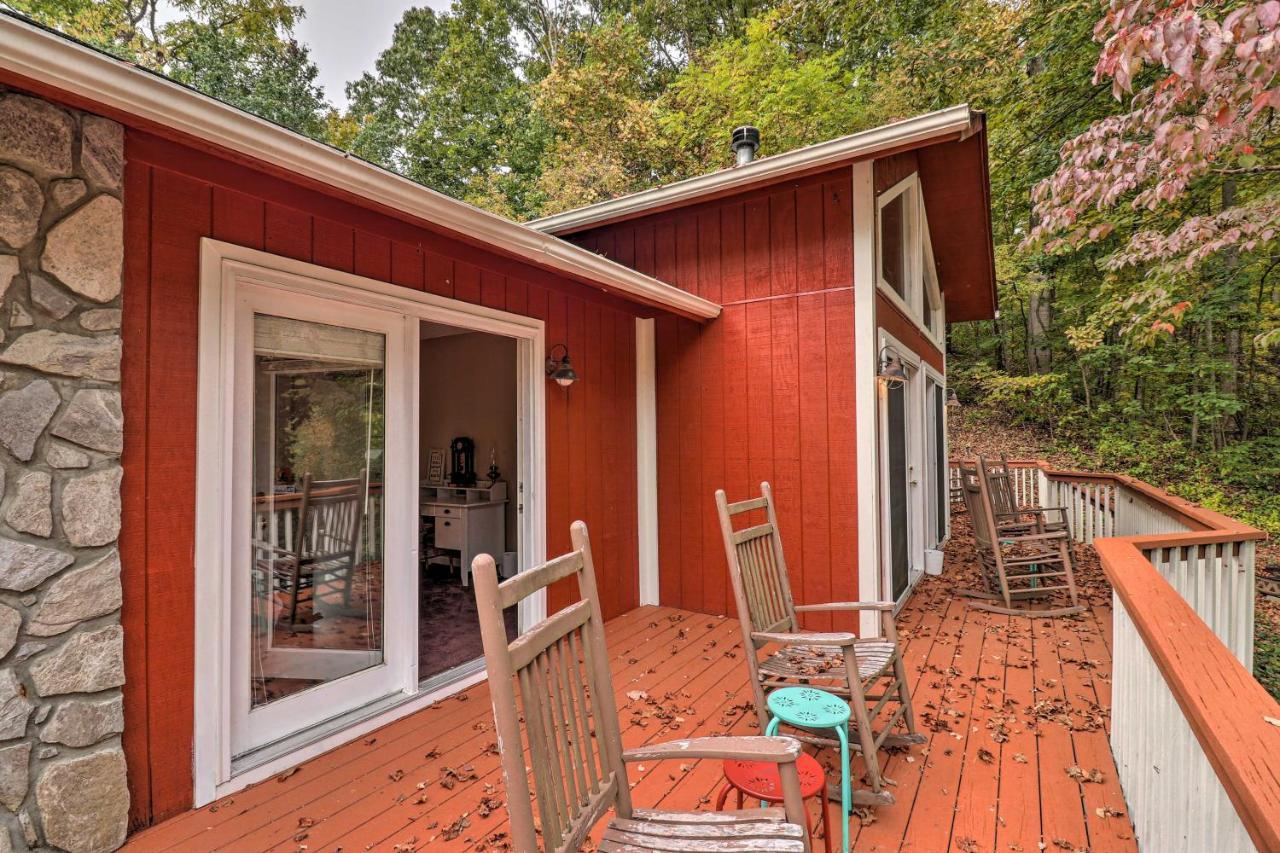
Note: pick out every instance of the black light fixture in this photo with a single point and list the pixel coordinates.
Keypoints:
(892, 373)
(559, 369)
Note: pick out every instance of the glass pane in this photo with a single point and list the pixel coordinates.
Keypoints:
(317, 540)
(893, 268)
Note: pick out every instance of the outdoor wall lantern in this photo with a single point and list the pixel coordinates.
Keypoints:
(892, 374)
(559, 369)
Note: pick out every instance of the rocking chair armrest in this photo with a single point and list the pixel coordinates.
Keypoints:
(776, 750)
(839, 638)
(263, 545)
(883, 606)
(1031, 510)
(1025, 537)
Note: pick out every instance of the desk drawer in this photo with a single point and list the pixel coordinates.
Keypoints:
(443, 511)
(451, 533)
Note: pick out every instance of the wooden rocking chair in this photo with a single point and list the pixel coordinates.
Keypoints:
(868, 672)
(1012, 517)
(325, 543)
(575, 744)
(1020, 564)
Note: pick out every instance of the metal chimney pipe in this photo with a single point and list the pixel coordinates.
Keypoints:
(744, 143)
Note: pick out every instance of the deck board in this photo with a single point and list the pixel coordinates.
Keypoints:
(992, 776)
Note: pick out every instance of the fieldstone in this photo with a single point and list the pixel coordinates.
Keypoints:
(64, 354)
(62, 456)
(49, 297)
(28, 650)
(86, 250)
(24, 566)
(19, 316)
(85, 593)
(84, 723)
(24, 414)
(102, 151)
(21, 202)
(93, 419)
(15, 764)
(15, 707)
(100, 319)
(67, 192)
(10, 266)
(28, 828)
(31, 510)
(36, 135)
(91, 508)
(6, 841)
(86, 663)
(47, 752)
(10, 622)
(84, 802)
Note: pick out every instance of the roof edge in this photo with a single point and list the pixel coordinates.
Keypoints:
(959, 122)
(63, 63)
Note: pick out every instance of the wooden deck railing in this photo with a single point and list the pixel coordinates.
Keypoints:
(1195, 736)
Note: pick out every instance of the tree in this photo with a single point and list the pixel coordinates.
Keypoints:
(447, 107)
(239, 51)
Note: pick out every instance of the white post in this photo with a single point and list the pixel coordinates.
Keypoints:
(864, 383)
(647, 460)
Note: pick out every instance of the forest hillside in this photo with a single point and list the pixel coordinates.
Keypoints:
(1134, 156)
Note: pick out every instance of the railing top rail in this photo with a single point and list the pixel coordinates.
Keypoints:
(1231, 714)
(1208, 526)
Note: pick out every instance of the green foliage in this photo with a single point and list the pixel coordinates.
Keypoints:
(1042, 400)
(1266, 656)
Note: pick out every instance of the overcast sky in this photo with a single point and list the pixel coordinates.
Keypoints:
(346, 37)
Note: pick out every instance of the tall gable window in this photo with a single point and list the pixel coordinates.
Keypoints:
(904, 259)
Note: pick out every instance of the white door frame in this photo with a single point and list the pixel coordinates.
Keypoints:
(935, 479)
(223, 267)
(912, 419)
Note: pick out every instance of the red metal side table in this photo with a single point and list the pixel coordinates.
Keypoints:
(759, 780)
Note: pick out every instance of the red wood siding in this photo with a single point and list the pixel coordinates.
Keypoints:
(173, 197)
(891, 318)
(764, 392)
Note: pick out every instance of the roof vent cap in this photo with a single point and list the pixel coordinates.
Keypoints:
(745, 142)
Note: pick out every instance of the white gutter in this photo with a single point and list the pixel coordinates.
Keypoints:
(57, 61)
(958, 121)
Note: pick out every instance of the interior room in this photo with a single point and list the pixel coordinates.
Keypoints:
(468, 447)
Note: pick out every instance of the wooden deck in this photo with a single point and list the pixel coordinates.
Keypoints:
(1015, 711)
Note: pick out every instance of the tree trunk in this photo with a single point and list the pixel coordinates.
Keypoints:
(1039, 321)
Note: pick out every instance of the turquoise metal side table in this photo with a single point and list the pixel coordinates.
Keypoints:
(810, 708)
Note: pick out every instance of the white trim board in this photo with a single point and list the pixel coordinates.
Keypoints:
(223, 268)
(647, 461)
(958, 122)
(65, 64)
(865, 397)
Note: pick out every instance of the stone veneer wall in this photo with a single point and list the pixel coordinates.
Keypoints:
(62, 770)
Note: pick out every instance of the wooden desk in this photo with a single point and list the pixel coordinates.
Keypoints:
(470, 521)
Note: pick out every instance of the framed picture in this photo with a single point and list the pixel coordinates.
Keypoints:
(435, 466)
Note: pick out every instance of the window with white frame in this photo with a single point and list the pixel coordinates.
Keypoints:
(904, 257)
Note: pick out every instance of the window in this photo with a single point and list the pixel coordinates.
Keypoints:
(904, 262)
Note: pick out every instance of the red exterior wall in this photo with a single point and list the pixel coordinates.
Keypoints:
(765, 392)
(174, 196)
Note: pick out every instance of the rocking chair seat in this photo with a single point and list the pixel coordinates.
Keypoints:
(792, 662)
(703, 832)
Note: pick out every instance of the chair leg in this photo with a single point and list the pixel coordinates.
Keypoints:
(762, 705)
(724, 795)
(846, 786)
(904, 694)
(825, 806)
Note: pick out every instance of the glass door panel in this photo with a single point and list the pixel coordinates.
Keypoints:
(321, 615)
(316, 547)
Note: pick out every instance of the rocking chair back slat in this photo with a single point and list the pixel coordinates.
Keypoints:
(757, 568)
(570, 714)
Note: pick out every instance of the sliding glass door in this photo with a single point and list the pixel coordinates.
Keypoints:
(319, 456)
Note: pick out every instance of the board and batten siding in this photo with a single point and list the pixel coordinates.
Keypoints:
(174, 196)
(764, 392)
